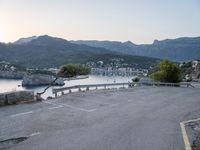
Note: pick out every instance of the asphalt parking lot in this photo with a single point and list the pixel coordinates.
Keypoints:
(143, 118)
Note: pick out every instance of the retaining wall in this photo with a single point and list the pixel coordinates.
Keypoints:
(16, 97)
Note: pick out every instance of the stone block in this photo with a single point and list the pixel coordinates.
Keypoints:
(20, 96)
(2, 99)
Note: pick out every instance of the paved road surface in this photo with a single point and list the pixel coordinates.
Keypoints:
(144, 118)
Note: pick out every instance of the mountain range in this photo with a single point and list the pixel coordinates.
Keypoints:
(46, 51)
(180, 49)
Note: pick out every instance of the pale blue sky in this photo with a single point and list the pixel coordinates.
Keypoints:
(140, 21)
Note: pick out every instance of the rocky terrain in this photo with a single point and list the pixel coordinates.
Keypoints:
(196, 144)
(193, 133)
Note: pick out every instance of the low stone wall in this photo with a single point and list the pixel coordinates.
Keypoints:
(16, 97)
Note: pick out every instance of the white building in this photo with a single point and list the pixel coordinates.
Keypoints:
(195, 63)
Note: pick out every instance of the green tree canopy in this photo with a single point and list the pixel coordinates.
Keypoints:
(167, 71)
(71, 70)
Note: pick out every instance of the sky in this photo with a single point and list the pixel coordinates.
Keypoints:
(139, 21)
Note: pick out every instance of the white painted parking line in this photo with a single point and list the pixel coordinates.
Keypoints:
(34, 134)
(50, 103)
(101, 103)
(59, 105)
(185, 137)
(56, 107)
(113, 105)
(91, 110)
(21, 114)
(78, 108)
(193, 120)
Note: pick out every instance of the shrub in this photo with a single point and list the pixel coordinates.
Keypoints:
(167, 72)
(71, 70)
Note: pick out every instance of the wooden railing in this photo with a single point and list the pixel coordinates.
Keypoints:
(115, 85)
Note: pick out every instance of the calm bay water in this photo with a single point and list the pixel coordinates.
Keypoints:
(7, 85)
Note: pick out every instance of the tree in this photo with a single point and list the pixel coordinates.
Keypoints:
(167, 71)
(71, 70)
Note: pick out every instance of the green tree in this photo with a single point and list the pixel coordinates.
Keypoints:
(167, 71)
(71, 70)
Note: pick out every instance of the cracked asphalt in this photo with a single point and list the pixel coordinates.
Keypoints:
(142, 118)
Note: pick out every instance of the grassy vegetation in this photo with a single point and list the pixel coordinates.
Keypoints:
(40, 71)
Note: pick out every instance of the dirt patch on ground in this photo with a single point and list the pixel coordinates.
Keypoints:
(193, 132)
(196, 143)
(11, 142)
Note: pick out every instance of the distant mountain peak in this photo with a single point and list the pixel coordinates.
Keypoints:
(40, 40)
(155, 41)
(23, 41)
(46, 37)
(129, 43)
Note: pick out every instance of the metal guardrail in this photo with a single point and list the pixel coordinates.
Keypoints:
(166, 84)
(122, 85)
(87, 87)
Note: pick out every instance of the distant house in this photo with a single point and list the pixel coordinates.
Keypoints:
(196, 68)
(198, 71)
(122, 69)
(195, 63)
(100, 63)
(12, 68)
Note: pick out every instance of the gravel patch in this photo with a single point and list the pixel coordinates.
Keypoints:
(196, 143)
(193, 131)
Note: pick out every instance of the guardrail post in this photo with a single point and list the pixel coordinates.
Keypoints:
(96, 88)
(87, 89)
(62, 93)
(70, 90)
(56, 94)
(79, 89)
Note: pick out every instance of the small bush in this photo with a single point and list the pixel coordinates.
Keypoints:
(71, 70)
(36, 71)
(167, 72)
